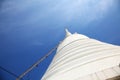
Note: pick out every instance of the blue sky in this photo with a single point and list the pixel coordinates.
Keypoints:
(30, 28)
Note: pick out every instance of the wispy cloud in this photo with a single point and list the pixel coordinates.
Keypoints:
(36, 43)
(85, 11)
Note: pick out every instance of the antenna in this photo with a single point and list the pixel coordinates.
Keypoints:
(39, 61)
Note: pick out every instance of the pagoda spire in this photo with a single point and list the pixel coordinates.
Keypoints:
(67, 33)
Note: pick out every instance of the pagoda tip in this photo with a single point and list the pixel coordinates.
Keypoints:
(67, 33)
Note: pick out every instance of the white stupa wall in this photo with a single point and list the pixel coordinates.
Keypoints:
(81, 58)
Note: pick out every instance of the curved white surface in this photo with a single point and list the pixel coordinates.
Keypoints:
(81, 58)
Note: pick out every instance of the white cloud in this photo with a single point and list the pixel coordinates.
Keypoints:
(85, 11)
(36, 43)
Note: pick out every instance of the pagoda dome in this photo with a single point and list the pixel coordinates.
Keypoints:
(79, 57)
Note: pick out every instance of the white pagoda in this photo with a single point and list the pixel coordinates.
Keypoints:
(79, 57)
